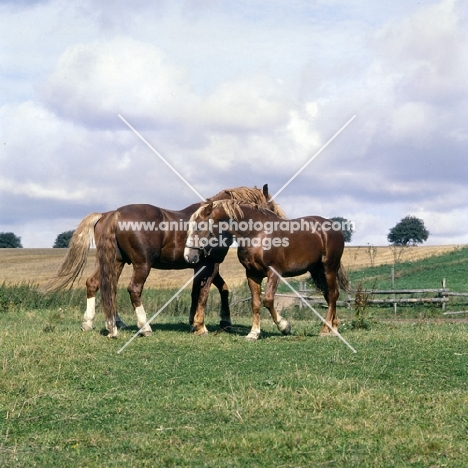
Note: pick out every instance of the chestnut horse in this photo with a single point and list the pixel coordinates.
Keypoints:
(130, 235)
(270, 246)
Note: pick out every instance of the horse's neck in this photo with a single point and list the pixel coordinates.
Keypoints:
(189, 210)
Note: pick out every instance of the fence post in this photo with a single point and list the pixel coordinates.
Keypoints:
(443, 292)
(393, 288)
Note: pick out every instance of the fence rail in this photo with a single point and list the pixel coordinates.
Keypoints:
(439, 296)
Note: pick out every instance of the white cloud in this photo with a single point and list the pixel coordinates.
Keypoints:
(414, 122)
(236, 94)
(253, 103)
(92, 83)
(428, 51)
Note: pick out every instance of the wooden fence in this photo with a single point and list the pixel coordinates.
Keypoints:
(394, 297)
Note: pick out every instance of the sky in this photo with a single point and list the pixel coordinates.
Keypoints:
(235, 94)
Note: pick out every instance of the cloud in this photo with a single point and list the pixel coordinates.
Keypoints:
(236, 94)
(92, 83)
(435, 65)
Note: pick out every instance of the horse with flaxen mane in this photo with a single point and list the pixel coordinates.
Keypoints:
(270, 247)
(117, 244)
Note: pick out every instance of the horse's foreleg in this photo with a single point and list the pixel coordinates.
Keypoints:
(200, 290)
(255, 285)
(135, 289)
(225, 312)
(331, 298)
(269, 302)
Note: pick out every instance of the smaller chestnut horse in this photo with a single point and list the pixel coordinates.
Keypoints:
(291, 247)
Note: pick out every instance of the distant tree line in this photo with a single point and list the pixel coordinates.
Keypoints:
(63, 240)
(8, 240)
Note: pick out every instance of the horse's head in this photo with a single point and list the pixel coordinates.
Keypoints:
(200, 234)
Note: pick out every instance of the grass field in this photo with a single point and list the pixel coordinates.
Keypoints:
(68, 399)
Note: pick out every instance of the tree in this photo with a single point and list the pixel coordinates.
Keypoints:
(347, 227)
(63, 240)
(8, 240)
(409, 231)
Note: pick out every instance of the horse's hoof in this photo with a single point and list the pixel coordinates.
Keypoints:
(203, 331)
(284, 326)
(328, 332)
(225, 326)
(86, 327)
(146, 333)
(121, 325)
(252, 336)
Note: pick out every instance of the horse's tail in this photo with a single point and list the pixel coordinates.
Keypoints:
(317, 274)
(343, 279)
(77, 255)
(318, 278)
(106, 257)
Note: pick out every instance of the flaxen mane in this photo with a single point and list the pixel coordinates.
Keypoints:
(250, 195)
(231, 207)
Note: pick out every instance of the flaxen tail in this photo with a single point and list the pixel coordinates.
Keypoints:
(106, 258)
(77, 255)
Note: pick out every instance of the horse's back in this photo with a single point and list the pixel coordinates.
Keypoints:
(152, 236)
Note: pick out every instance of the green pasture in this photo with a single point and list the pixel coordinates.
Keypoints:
(426, 273)
(67, 399)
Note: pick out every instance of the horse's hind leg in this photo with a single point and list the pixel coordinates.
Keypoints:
(225, 313)
(331, 296)
(120, 324)
(92, 286)
(135, 289)
(269, 302)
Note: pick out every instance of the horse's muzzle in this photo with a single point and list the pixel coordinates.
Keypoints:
(191, 255)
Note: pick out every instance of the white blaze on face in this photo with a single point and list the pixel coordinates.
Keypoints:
(190, 254)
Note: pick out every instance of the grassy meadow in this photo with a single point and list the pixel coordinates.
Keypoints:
(68, 399)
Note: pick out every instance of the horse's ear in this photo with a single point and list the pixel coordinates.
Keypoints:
(265, 191)
(208, 209)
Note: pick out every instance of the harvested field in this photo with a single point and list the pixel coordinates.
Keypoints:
(38, 265)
